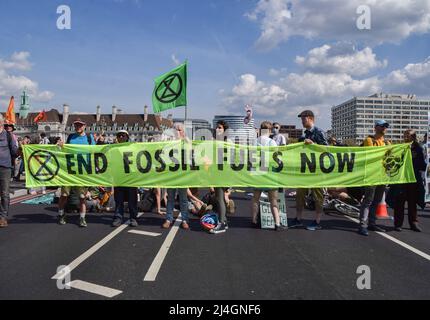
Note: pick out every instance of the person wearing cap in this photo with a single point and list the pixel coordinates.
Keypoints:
(124, 194)
(82, 138)
(373, 194)
(8, 151)
(312, 135)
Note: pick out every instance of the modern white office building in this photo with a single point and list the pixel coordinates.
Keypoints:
(239, 132)
(353, 120)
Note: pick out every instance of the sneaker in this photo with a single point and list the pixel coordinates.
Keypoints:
(218, 229)
(3, 223)
(314, 226)
(415, 228)
(116, 222)
(185, 225)
(398, 229)
(376, 228)
(166, 224)
(225, 225)
(363, 231)
(280, 227)
(133, 223)
(82, 223)
(296, 223)
(62, 219)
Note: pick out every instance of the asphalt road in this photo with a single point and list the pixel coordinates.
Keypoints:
(243, 263)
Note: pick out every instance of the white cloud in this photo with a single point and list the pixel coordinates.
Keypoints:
(284, 97)
(340, 58)
(392, 20)
(414, 78)
(12, 83)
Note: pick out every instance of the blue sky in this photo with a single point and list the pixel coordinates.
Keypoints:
(238, 51)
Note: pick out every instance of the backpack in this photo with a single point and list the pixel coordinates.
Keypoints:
(69, 138)
(147, 202)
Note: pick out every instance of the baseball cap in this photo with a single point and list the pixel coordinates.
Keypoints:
(78, 120)
(123, 131)
(382, 123)
(306, 113)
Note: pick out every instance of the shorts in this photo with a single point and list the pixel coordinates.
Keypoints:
(318, 194)
(82, 191)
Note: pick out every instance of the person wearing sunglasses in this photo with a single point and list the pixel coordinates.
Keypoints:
(276, 136)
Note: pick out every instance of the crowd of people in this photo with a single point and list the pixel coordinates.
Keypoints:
(218, 199)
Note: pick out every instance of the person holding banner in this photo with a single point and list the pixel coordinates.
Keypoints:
(265, 141)
(171, 193)
(311, 135)
(82, 138)
(410, 192)
(123, 194)
(373, 194)
(221, 205)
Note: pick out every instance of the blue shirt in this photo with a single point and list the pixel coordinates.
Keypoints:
(316, 135)
(75, 138)
(5, 150)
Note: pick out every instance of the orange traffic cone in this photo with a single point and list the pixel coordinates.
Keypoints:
(381, 210)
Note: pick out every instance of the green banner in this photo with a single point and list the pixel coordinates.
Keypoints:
(217, 164)
(170, 89)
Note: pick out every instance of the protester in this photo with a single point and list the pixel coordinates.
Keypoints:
(373, 195)
(276, 136)
(8, 151)
(195, 205)
(171, 193)
(43, 138)
(125, 194)
(160, 194)
(221, 204)
(81, 138)
(20, 158)
(410, 192)
(265, 141)
(10, 127)
(101, 139)
(312, 135)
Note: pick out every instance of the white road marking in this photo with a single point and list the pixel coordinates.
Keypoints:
(145, 233)
(91, 251)
(94, 288)
(153, 270)
(400, 243)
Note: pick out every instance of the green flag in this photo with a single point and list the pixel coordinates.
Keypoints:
(170, 89)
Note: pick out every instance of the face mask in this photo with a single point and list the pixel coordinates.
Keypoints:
(275, 131)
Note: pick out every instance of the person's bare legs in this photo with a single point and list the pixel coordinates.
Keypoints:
(158, 199)
(273, 198)
(82, 207)
(62, 203)
(300, 202)
(255, 205)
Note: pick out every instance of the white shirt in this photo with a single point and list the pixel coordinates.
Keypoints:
(280, 139)
(265, 141)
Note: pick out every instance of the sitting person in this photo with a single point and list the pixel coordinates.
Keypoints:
(195, 205)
